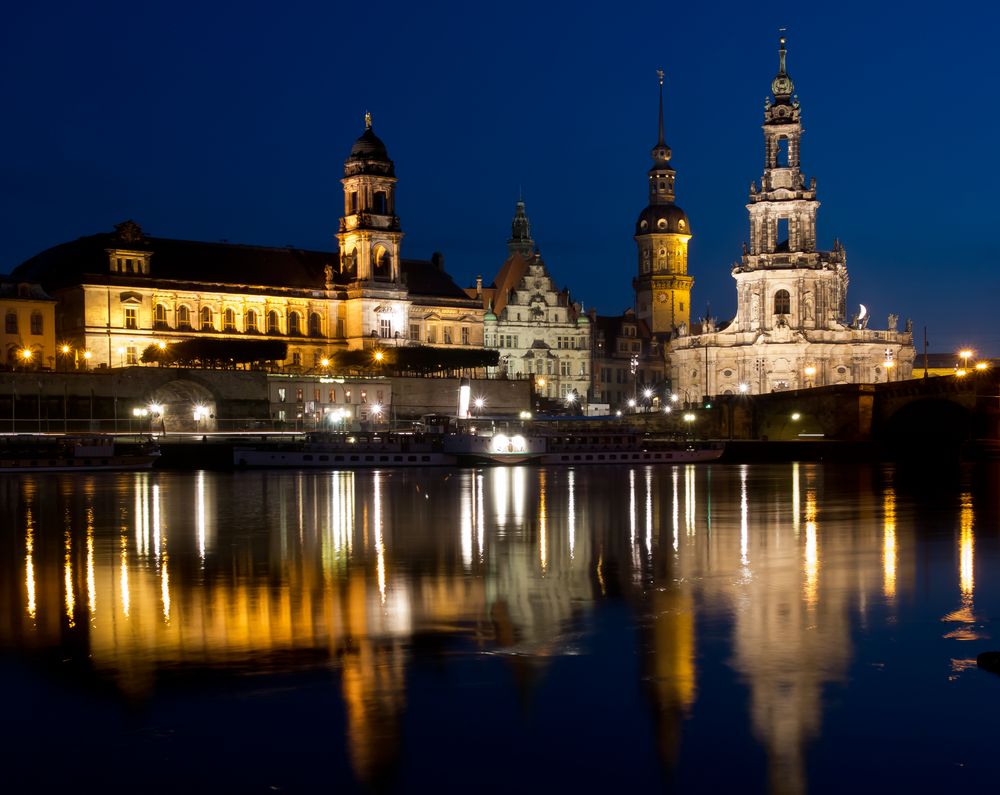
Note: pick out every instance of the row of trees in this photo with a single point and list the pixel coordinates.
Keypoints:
(411, 360)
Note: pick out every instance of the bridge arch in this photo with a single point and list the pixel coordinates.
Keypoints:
(933, 423)
(185, 406)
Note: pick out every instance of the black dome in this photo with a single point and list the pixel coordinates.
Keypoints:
(369, 147)
(662, 218)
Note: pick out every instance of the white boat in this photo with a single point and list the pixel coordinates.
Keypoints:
(73, 453)
(495, 448)
(601, 446)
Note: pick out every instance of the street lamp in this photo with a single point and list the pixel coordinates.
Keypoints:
(86, 358)
(648, 394)
(479, 402)
(744, 388)
(810, 371)
(889, 364)
(631, 404)
(324, 362)
(26, 357)
(980, 366)
(965, 356)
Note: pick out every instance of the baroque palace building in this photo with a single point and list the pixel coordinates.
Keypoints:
(538, 329)
(790, 329)
(122, 291)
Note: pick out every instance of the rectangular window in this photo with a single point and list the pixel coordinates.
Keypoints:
(415, 331)
(130, 355)
(447, 335)
(333, 395)
(465, 335)
(347, 395)
(298, 395)
(317, 394)
(36, 323)
(432, 334)
(132, 317)
(384, 328)
(378, 396)
(564, 368)
(340, 327)
(281, 394)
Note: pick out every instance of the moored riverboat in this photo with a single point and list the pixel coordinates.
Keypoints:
(602, 446)
(74, 453)
(324, 450)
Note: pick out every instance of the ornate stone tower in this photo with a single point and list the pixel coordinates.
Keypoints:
(782, 280)
(662, 287)
(369, 234)
(520, 233)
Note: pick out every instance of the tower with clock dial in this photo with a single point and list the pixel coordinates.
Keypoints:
(662, 285)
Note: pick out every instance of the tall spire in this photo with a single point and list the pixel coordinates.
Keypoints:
(781, 53)
(659, 141)
(520, 238)
(782, 86)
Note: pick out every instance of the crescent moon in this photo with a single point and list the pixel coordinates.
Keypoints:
(864, 311)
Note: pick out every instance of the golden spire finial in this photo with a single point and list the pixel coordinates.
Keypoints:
(368, 120)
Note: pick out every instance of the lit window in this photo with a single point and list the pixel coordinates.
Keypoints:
(131, 317)
(207, 319)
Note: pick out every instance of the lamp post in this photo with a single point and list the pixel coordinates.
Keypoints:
(810, 371)
(965, 355)
(648, 395)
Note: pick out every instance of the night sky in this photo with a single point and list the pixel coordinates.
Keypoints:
(231, 120)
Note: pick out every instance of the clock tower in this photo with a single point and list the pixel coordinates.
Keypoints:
(662, 287)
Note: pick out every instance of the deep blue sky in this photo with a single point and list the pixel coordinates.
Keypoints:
(232, 120)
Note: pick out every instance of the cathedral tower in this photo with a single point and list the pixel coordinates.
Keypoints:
(520, 233)
(369, 234)
(662, 287)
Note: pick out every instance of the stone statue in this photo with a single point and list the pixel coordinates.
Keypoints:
(909, 326)
(807, 305)
(893, 320)
(328, 276)
(754, 308)
(682, 329)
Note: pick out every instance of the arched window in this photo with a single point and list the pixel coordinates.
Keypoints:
(315, 325)
(781, 156)
(380, 263)
(293, 324)
(782, 303)
(251, 325)
(10, 324)
(183, 317)
(273, 326)
(159, 316)
(36, 323)
(207, 320)
(229, 320)
(379, 203)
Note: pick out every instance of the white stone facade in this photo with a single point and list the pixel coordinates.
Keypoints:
(790, 329)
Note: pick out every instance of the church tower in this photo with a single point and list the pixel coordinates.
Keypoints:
(369, 234)
(783, 280)
(662, 287)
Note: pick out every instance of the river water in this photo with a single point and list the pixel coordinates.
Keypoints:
(767, 628)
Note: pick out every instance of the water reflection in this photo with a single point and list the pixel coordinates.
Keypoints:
(354, 571)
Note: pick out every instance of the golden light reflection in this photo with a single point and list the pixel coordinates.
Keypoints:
(543, 541)
(675, 475)
(91, 584)
(480, 516)
(812, 549)
(124, 575)
(889, 543)
(29, 563)
(519, 490)
(70, 598)
(337, 541)
(571, 514)
(165, 588)
(966, 549)
(156, 522)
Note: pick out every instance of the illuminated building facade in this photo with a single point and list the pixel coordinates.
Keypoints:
(27, 338)
(790, 329)
(537, 328)
(662, 232)
(628, 361)
(123, 291)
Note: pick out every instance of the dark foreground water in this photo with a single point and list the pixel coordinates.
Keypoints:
(786, 628)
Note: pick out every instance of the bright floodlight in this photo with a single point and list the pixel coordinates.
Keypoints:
(673, 398)
(647, 393)
(480, 402)
(631, 403)
(744, 388)
(796, 416)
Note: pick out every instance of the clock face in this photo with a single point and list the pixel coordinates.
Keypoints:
(661, 297)
(781, 85)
